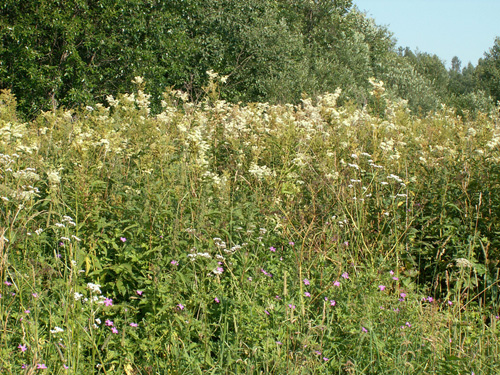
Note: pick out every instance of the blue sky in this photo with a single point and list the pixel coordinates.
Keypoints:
(447, 28)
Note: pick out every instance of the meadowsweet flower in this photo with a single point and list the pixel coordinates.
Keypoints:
(306, 282)
(96, 288)
(381, 287)
(22, 347)
(78, 296)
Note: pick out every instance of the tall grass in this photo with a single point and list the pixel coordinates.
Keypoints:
(218, 238)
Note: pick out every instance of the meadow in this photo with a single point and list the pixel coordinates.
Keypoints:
(221, 238)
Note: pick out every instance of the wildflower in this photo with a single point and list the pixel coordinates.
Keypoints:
(35, 295)
(78, 296)
(345, 275)
(395, 278)
(307, 294)
(272, 249)
(279, 343)
(109, 323)
(450, 303)
(108, 302)
(216, 300)
(56, 330)
(123, 239)
(114, 330)
(381, 287)
(403, 295)
(8, 283)
(364, 330)
(408, 324)
(291, 243)
(133, 324)
(96, 288)
(267, 312)
(22, 347)
(41, 366)
(291, 306)
(326, 359)
(391, 272)
(317, 352)
(174, 262)
(336, 283)
(98, 321)
(332, 302)
(66, 367)
(306, 282)
(180, 306)
(27, 311)
(139, 292)
(430, 299)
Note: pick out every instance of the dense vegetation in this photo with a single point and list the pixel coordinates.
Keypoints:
(180, 194)
(219, 238)
(76, 52)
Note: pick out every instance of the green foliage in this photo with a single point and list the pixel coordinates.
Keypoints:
(220, 238)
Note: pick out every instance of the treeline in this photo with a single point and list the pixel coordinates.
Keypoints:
(76, 52)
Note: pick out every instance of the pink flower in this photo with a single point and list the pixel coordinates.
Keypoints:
(34, 295)
(381, 287)
(108, 302)
(66, 367)
(27, 311)
(267, 312)
(133, 324)
(216, 300)
(332, 302)
(291, 243)
(114, 330)
(391, 272)
(273, 249)
(180, 306)
(364, 329)
(345, 275)
(22, 347)
(174, 262)
(307, 294)
(41, 366)
(403, 295)
(109, 323)
(139, 292)
(8, 283)
(450, 303)
(306, 282)
(123, 239)
(326, 359)
(336, 283)
(291, 306)
(395, 278)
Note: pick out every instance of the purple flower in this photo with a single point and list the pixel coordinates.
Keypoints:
(114, 330)
(133, 324)
(307, 294)
(430, 299)
(272, 249)
(395, 278)
(180, 306)
(306, 282)
(345, 275)
(41, 366)
(109, 323)
(279, 343)
(66, 367)
(8, 283)
(291, 243)
(139, 292)
(108, 302)
(22, 347)
(364, 329)
(216, 300)
(123, 239)
(27, 311)
(403, 295)
(326, 359)
(391, 272)
(332, 302)
(336, 283)
(381, 287)
(174, 262)
(267, 312)
(291, 306)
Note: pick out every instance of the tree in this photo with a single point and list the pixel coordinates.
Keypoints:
(488, 71)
